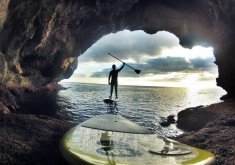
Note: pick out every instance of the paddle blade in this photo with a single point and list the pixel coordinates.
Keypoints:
(137, 71)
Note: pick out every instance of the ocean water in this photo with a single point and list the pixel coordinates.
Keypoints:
(147, 106)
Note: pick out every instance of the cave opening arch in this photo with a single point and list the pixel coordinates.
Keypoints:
(160, 57)
(199, 64)
(62, 29)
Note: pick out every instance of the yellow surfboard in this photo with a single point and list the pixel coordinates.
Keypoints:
(82, 145)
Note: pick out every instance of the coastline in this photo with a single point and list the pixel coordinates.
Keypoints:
(35, 138)
(216, 132)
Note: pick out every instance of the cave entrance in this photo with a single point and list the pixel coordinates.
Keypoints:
(160, 57)
(187, 75)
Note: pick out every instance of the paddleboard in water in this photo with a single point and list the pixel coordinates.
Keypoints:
(81, 145)
(109, 101)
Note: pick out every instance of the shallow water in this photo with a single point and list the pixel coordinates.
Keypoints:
(147, 106)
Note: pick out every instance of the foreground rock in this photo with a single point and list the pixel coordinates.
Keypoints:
(7, 101)
(218, 133)
(29, 139)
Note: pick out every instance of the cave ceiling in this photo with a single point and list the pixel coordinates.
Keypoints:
(40, 41)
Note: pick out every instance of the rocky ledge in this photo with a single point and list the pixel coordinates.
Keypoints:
(211, 128)
(7, 101)
(30, 139)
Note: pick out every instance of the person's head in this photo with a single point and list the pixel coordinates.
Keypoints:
(114, 66)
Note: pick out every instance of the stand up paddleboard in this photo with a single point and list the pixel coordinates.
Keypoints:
(83, 145)
(109, 101)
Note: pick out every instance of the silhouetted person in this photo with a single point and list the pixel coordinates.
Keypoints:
(113, 75)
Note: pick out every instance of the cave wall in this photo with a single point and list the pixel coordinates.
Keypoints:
(3, 11)
(40, 41)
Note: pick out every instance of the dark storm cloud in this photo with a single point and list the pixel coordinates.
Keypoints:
(203, 63)
(103, 73)
(126, 72)
(129, 45)
(176, 64)
(167, 64)
(164, 65)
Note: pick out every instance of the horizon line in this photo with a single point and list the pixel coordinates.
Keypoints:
(134, 85)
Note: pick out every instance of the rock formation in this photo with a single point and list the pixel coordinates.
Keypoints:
(7, 101)
(211, 128)
(3, 11)
(29, 139)
(40, 41)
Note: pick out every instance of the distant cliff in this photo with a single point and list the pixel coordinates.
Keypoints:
(40, 41)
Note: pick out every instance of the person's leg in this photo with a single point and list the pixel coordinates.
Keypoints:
(111, 90)
(116, 85)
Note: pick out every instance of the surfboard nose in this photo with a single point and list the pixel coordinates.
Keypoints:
(115, 123)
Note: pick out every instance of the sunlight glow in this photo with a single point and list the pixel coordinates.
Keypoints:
(195, 52)
(202, 52)
(191, 82)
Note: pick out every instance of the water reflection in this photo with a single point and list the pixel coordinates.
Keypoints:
(144, 105)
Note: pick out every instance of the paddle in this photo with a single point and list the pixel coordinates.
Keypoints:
(136, 70)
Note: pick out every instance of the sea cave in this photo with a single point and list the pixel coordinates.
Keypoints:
(40, 45)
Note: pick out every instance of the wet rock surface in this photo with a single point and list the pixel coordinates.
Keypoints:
(7, 101)
(3, 11)
(193, 119)
(218, 133)
(30, 139)
(25, 138)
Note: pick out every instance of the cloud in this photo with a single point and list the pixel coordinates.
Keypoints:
(164, 65)
(103, 73)
(167, 64)
(126, 45)
(200, 63)
(158, 56)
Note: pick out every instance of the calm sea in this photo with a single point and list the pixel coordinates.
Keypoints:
(147, 106)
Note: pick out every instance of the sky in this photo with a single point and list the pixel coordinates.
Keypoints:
(160, 57)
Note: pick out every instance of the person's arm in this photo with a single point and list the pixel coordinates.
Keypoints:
(109, 78)
(121, 67)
